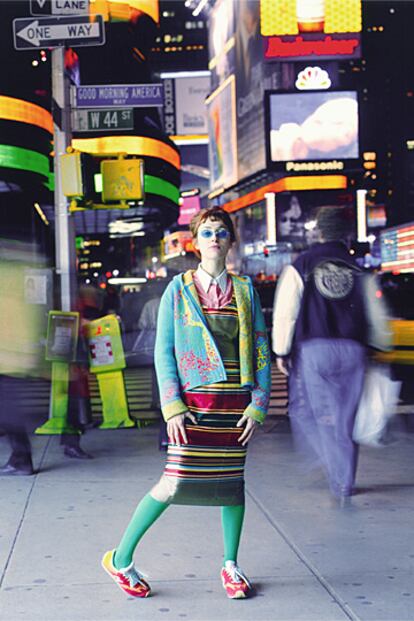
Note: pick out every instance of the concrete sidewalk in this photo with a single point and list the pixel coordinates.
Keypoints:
(309, 559)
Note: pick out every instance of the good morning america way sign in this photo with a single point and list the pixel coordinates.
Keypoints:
(115, 95)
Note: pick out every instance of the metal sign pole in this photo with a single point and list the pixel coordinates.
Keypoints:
(64, 227)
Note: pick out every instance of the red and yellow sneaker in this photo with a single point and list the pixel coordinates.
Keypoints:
(128, 579)
(234, 581)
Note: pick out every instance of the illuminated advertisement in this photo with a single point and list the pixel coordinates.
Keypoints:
(177, 243)
(195, 172)
(184, 105)
(189, 207)
(313, 131)
(249, 72)
(296, 213)
(397, 249)
(221, 42)
(236, 48)
(221, 107)
(311, 29)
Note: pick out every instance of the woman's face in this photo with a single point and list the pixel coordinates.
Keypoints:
(289, 223)
(213, 240)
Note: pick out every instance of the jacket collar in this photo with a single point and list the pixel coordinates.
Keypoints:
(241, 290)
(206, 280)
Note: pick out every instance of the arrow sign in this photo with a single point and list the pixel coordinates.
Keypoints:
(48, 32)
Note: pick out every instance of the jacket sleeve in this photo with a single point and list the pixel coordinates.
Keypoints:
(165, 361)
(257, 408)
(288, 298)
(379, 333)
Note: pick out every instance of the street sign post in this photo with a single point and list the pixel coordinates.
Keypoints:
(54, 32)
(59, 7)
(116, 95)
(46, 32)
(102, 120)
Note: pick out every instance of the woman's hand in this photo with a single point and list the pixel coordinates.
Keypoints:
(176, 427)
(283, 366)
(248, 431)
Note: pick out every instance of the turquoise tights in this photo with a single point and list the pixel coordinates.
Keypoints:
(149, 510)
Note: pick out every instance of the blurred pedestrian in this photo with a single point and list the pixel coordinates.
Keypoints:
(89, 306)
(213, 368)
(145, 344)
(22, 330)
(326, 313)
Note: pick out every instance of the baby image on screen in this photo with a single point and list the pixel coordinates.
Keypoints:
(309, 130)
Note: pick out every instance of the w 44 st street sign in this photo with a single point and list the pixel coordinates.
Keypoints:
(102, 120)
(44, 32)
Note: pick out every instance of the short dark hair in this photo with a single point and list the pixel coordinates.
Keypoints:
(334, 222)
(212, 213)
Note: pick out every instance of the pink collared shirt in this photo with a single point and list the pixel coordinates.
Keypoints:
(210, 293)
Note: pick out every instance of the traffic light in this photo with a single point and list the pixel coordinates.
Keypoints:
(71, 167)
(77, 180)
(122, 179)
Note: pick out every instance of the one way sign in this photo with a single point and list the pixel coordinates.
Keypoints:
(31, 33)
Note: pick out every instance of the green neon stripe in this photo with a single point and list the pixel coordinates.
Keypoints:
(50, 184)
(155, 185)
(24, 159)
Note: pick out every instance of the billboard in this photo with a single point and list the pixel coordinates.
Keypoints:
(250, 82)
(189, 207)
(296, 212)
(397, 249)
(195, 172)
(177, 244)
(311, 29)
(236, 48)
(221, 42)
(313, 131)
(184, 109)
(221, 107)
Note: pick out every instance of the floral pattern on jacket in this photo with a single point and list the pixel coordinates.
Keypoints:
(186, 355)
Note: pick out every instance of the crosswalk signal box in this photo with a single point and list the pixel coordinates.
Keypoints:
(122, 179)
(77, 174)
(72, 178)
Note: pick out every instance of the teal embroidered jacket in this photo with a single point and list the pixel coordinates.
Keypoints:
(186, 355)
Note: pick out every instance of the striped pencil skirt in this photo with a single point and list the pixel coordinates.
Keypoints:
(209, 470)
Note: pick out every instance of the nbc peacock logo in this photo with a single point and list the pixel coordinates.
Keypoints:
(313, 78)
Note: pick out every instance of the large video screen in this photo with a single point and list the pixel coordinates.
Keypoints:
(313, 126)
(296, 214)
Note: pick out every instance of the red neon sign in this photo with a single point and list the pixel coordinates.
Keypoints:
(282, 47)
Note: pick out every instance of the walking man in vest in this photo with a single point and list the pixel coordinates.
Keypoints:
(326, 314)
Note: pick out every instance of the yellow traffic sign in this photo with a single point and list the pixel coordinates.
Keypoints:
(122, 179)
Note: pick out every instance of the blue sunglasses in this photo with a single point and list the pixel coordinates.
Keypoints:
(219, 233)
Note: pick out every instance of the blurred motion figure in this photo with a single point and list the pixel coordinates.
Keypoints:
(326, 314)
(22, 330)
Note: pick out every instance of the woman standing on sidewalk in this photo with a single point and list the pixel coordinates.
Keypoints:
(213, 367)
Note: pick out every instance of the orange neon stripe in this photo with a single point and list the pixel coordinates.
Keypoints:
(189, 137)
(131, 145)
(315, 182)
(150, 7)
(13, 109)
